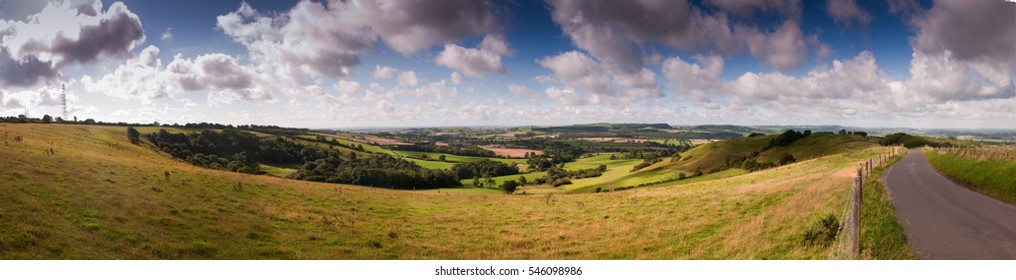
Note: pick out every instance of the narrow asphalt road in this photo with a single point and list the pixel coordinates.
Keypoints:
(943, 220)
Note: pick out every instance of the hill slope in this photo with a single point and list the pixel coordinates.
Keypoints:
(96, 196)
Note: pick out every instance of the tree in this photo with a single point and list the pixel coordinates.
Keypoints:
(47, 119)
(133, 135)
(602, 168)
(613, 157)
(843, 132)
(441, 158)
(488, 180)
(523, 180)
(476, 182)
(509, 186)
(786, 159)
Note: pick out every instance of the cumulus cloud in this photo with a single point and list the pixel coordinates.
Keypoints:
(456, 78)
(847, 11)
(595, 84)
(971, 30)
(575, 68)
(748, 8)
(612, 30)
(472, 62)
(326, 39)
(412, 26)
(311, 40)
(34, 50)
(167, 35)
(408, 78)
(965, 50)
(784, 48)
(384, 72)
(347, 87)
(689, 77)
(144, 78)
(855, 77)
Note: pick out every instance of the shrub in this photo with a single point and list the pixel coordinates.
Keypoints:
(822, 231)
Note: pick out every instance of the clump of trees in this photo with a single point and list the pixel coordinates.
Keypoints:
(556, 176)
(788, 137)
(484, 168)
(133, 135)
(377, 171)
(909, 141)
(454, 149)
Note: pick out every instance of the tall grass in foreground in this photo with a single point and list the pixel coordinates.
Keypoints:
(990, 171)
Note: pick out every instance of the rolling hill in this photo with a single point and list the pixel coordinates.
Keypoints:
(86, 192)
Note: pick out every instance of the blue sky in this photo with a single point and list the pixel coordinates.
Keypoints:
(899, 63)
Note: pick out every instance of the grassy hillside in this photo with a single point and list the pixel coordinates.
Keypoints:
(96, 196)
(992, 177)
(717, 156)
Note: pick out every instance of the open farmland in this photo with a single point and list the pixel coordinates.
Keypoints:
(512, 153)
(112, 195)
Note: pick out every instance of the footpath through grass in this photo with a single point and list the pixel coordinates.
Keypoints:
(994, 178)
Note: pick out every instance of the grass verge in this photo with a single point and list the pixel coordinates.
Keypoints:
(882, 236)
(994, 178)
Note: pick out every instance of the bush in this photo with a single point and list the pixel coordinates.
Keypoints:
(786, 159)
(133, 135)
(822, 231)
(509, 186)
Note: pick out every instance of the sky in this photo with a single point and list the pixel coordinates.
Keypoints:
(351, 64)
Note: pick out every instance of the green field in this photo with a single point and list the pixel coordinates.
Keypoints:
(366, 147)
(280, 171)
(97, 196)
(500, 179)
(455, 158)
(994, 178)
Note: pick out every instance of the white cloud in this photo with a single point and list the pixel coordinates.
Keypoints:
(167, 35)
(384, 72)
(310, 41)
(347, 87)
(472, 62)
(412, 26)
(784, 48)
(568, 96)
(576, 68)
(614, 31)
(846, 11)
(408, 78)
(143, 78)
(34, 50)
(687, 76)
(456, 78)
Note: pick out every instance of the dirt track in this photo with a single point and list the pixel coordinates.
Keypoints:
(944, 220)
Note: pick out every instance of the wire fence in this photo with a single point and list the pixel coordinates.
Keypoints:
(847, 245)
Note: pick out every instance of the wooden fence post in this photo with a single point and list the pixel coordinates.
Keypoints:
(855, 217)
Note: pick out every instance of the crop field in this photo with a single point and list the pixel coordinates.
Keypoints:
(512, 153)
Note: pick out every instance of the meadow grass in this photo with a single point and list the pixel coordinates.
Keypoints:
(279, 170)
(994, 178)
(100, 197)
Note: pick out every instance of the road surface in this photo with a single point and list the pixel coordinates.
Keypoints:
(943, 220)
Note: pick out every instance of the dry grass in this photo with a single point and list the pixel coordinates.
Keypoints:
(99, 197)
